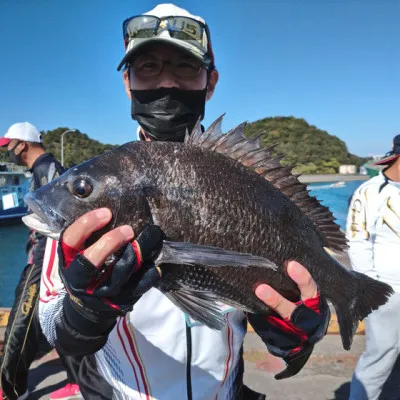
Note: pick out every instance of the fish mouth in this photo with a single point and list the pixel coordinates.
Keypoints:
(43, 219)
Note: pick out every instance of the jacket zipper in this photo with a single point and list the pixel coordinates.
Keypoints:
(188, 362)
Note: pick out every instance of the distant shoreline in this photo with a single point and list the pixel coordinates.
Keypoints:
(332, 178)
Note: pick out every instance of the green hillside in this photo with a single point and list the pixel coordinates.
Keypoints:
(311, 149)
(78, 146)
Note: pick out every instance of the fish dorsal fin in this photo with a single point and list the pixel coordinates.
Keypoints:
(204, 139)
(249, 152)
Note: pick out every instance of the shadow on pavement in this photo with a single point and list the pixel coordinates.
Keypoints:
(342, 393)
(390, 391)
(39, 394)
(39, 374)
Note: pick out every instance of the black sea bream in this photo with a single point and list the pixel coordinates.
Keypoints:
(218, 190)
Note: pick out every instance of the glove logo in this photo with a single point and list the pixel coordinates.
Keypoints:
(27, 305)
(75, 300)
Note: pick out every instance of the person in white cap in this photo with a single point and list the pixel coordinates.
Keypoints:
(24, 340)
(152, 350)
(373, 232)
(24, 143)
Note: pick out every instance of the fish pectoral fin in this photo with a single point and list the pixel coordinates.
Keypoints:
(200, 306)
(194, 254)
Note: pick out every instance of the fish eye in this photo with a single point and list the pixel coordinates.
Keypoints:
(82, 188)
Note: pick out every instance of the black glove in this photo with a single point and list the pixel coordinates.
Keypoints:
(97, 296)
(293, 339)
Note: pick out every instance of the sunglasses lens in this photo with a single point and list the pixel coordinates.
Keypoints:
(185, 29)
(140, 27)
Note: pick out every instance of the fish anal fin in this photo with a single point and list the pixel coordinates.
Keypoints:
(200, 306)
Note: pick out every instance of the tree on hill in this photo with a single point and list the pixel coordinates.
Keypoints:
(313, 150)
(78, 147)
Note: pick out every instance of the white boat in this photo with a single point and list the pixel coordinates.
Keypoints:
(14, 184)
(332, 185)
(339, 184)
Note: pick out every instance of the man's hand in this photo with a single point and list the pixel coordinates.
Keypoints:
(76, 235)
(307, 286)
(97, 294)
(293, 329)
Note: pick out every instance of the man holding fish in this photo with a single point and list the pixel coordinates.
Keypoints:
(137, 341)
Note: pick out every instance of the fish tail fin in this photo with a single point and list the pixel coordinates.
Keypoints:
(363, 295)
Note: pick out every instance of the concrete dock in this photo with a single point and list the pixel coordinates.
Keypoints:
(326, 376)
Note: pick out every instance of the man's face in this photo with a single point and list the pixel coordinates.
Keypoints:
(16, 145)
(171, 56)
(16, 150)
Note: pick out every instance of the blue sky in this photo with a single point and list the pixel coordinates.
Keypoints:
(335, 63)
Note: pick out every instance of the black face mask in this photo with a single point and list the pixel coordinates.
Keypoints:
(15, 158)
(166, 113)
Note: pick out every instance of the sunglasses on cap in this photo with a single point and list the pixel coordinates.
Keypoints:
(180, 28)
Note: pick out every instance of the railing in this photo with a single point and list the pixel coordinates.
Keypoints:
(11, 167)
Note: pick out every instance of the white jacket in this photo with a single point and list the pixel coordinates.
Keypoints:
(147, 353)
(373, 230)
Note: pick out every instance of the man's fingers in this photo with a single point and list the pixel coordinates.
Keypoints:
(76, 235)
(108, 244)
(275, 301)
(308, 288)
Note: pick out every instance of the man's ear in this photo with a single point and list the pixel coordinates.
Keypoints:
(125, 77)
(212, 82)
(21, 147)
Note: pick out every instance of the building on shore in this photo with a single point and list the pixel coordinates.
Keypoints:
(347, 169)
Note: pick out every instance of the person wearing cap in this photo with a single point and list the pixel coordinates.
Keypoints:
(145, 347)
(373, 232)
(24, 340)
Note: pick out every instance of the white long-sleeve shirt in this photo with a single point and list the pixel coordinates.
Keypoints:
(148, 354)
(373, 230)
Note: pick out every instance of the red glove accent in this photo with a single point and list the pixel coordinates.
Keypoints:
(287, 326)
(139, 257)
(69, 253)
(312, 303)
